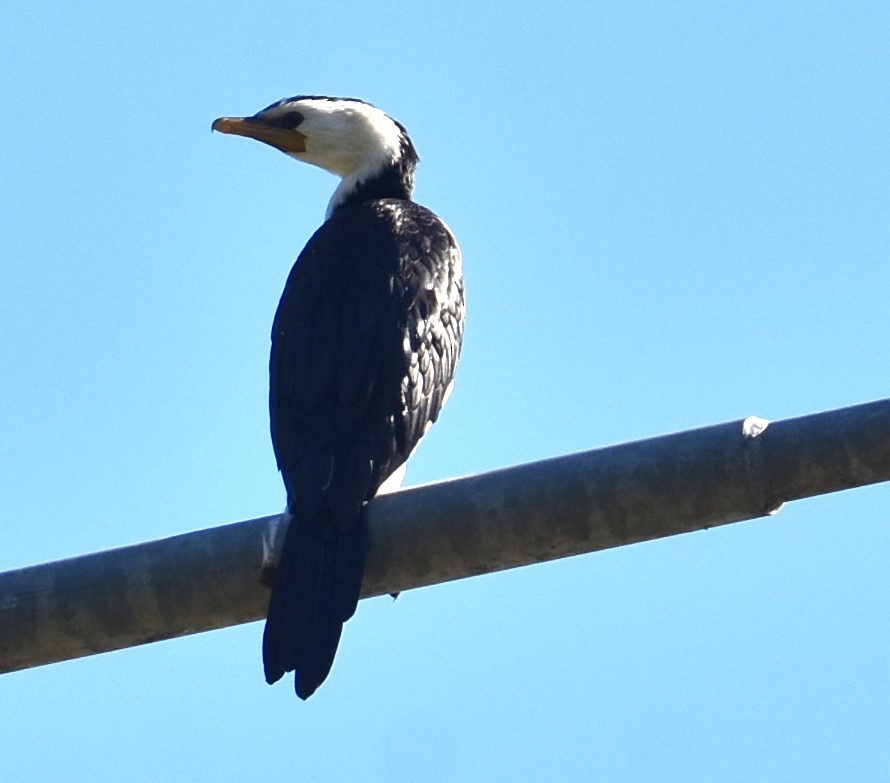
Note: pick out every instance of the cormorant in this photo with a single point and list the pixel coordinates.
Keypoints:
(364, 347)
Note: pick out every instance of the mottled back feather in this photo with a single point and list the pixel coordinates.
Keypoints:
(364, 347)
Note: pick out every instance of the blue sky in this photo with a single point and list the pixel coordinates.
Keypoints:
(672, 215)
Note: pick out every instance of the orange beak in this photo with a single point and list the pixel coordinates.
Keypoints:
(284, 139)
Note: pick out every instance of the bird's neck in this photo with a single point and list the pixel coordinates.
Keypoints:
(392, 180)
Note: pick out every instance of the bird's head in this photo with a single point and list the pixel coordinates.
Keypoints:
(346, 136)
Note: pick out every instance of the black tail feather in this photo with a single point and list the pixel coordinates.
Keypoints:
(317, 585)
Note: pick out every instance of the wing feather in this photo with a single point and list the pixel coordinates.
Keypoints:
(364, 347)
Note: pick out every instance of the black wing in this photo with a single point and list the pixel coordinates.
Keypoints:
(364, 347)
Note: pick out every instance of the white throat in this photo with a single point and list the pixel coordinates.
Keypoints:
(353, 140)
(350, 182)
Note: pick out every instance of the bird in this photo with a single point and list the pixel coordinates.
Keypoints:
(365, 342)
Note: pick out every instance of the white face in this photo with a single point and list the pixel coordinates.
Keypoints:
(347, 138)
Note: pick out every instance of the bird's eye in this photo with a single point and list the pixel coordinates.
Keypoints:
(289, 120)
(292, 119)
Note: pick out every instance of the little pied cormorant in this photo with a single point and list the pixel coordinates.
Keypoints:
(364, 347)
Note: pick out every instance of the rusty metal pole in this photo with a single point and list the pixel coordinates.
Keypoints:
(424, 535)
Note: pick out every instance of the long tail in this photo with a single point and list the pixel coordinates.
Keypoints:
(316, 590)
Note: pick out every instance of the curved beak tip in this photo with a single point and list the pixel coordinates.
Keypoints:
(224, 124)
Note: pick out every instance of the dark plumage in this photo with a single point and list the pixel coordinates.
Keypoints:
(364, 347)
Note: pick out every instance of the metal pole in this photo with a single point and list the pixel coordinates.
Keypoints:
(424, 535)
